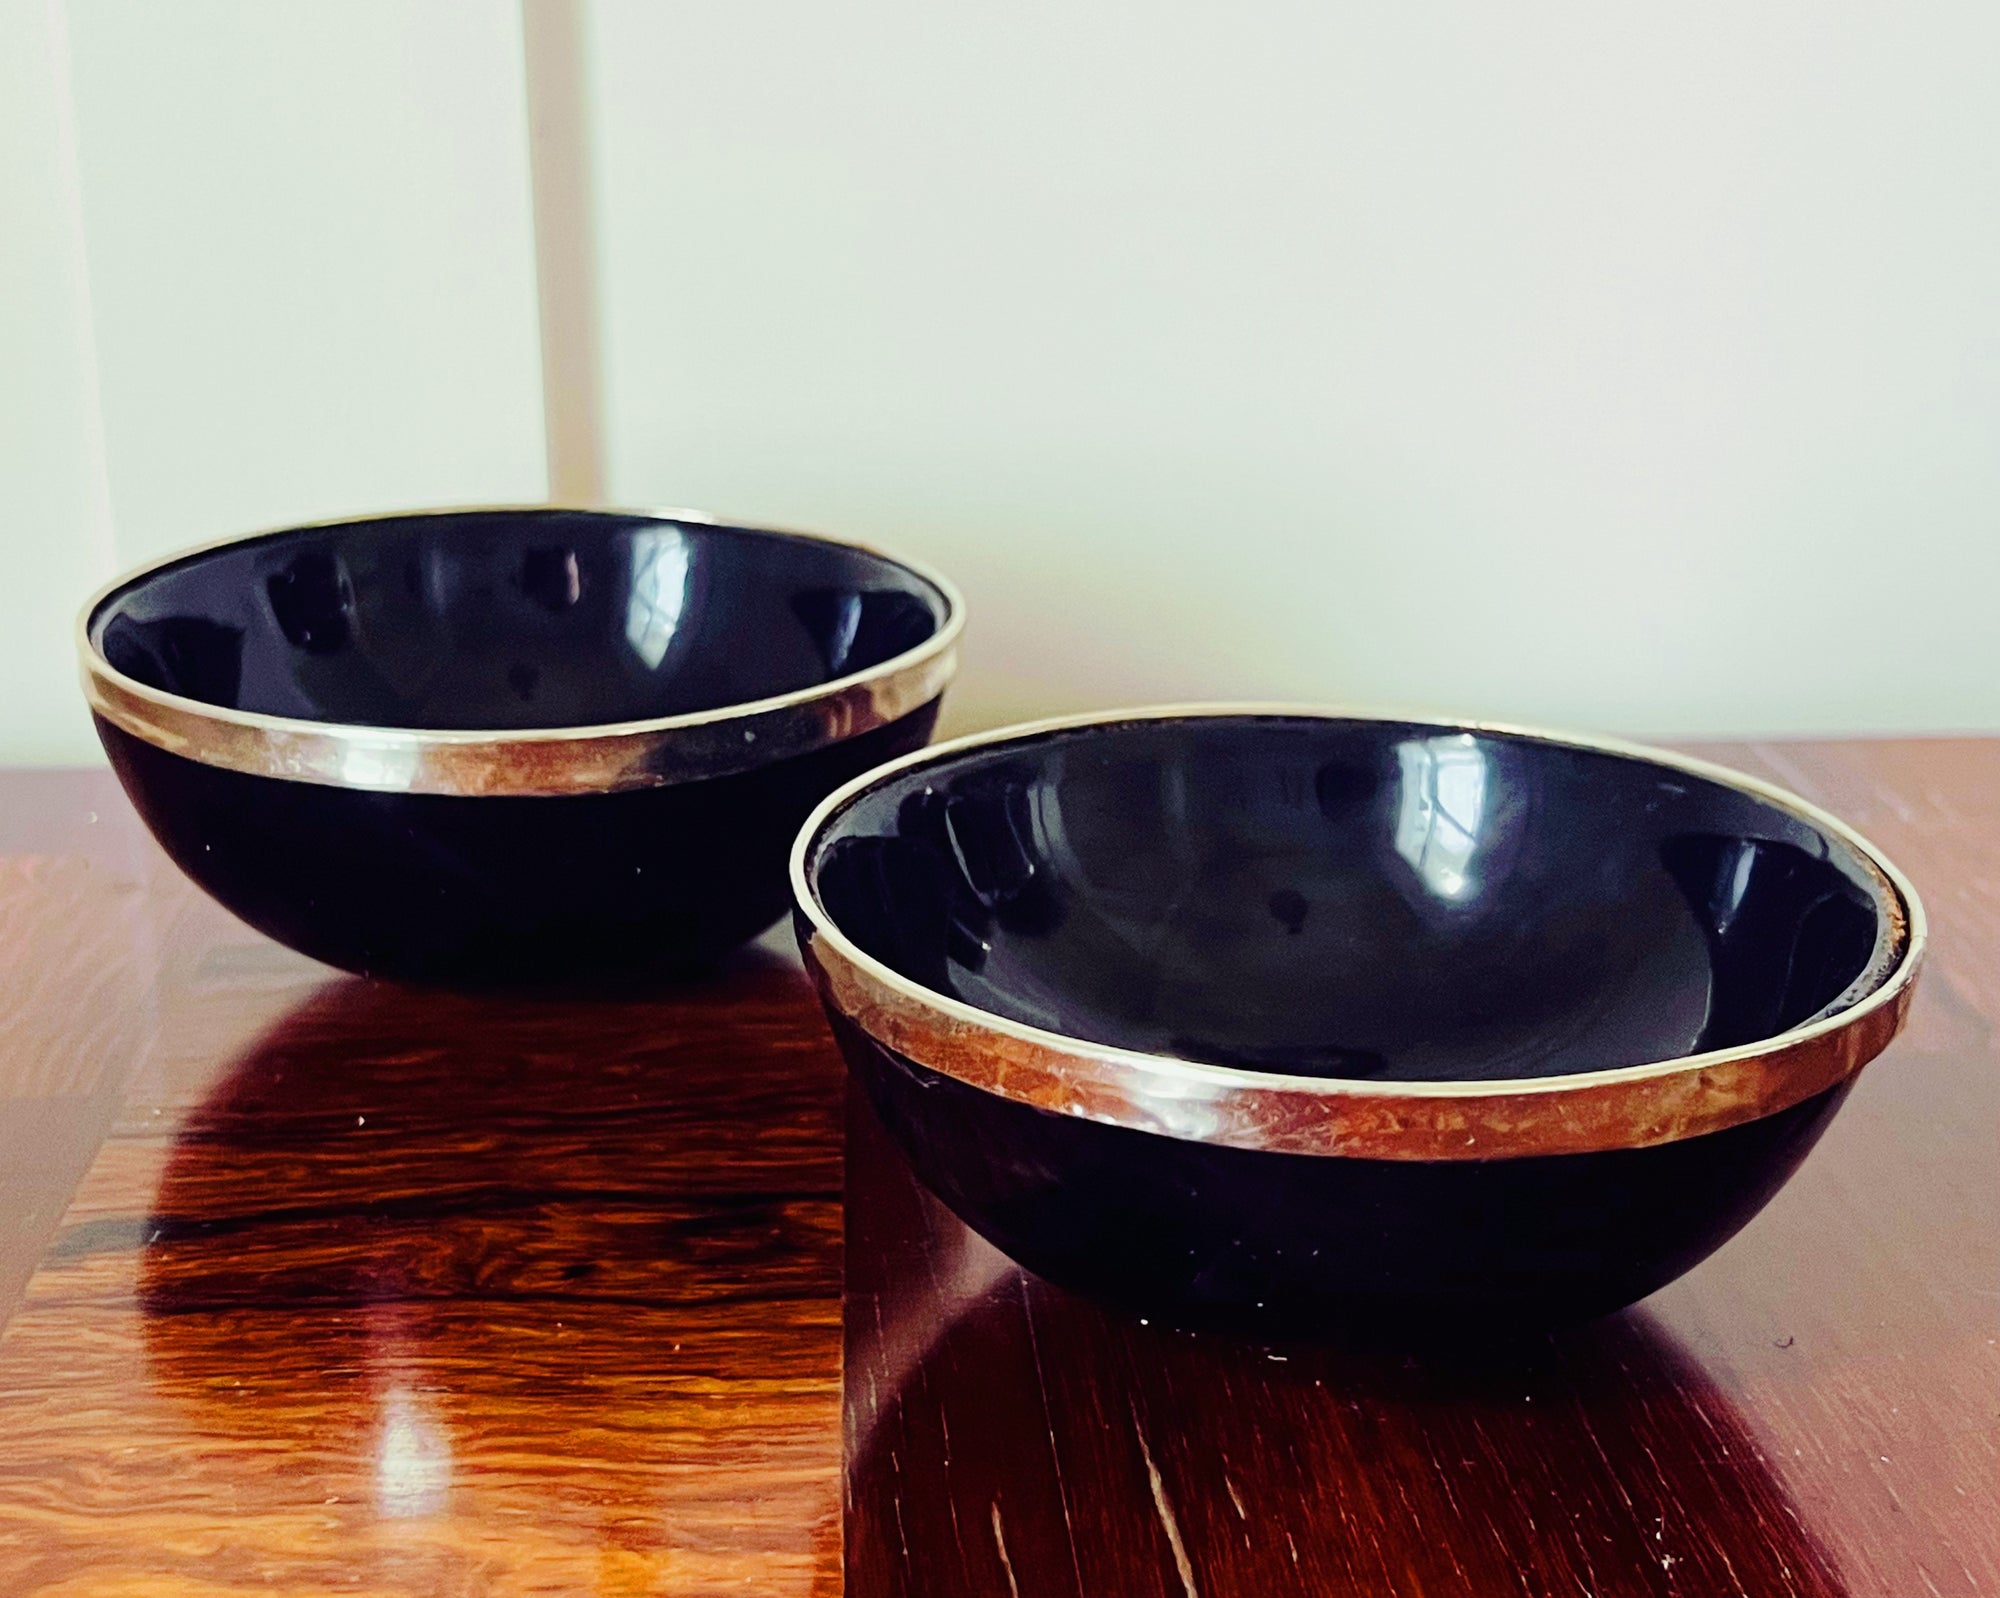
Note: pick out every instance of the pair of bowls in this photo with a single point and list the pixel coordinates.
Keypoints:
(1280, 1020)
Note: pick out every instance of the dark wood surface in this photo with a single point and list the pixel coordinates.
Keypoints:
(372, 1290)
(315, 1285)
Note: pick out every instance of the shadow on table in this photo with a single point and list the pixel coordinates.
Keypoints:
(514, 1288)
(1005, 1437)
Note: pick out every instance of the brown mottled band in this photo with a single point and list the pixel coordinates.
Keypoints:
(1629, 1107)
(534, 762)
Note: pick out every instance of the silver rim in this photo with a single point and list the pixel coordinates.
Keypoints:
(538, 761)
(1624, 1106)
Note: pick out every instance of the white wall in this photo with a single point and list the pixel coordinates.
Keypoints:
(1617, 365)
(55, 535)
(311, 258)
(1625, 365)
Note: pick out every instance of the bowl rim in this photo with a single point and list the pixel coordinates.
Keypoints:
(602, 757)
(1615, 1107)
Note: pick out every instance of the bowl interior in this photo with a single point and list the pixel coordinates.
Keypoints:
(1355, 899)
(511, 619)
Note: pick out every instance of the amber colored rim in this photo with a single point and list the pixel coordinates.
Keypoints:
(1624, 1107)
(538, 761)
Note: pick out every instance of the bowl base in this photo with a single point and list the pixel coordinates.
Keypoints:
(1328, 1247)
(467, 891)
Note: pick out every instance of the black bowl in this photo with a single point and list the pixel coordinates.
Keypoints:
(508, 745)
(1300, 1022)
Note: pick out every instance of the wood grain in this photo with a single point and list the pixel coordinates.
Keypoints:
(376, 1290)
(77, 917)
(1814, 1412)
(366, 1290)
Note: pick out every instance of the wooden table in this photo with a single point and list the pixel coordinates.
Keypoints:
(320, 1286)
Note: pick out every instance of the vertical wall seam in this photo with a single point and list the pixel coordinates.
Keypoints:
(563, 199)
(102, 531)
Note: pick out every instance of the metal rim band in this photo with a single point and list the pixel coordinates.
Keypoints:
(1626, 1107)
(534, 762)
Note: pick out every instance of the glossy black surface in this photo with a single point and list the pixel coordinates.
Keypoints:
(440, 888)
(511, 619)
(1308, 1245)
(1351, 898)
